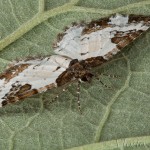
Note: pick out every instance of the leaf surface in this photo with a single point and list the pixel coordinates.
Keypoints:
(114, 119)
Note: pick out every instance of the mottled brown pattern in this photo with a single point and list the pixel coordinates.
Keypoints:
(124, 39)
(139, 18)
(102, 23)
(17, 93)
(79, 70)
(64, 78)
(23, 89)
(47, 87)
(95, 25)
(13, 71)
(21, 92)
(95, 61)
(27, 94)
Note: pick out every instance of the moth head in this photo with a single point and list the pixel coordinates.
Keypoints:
(87, 77)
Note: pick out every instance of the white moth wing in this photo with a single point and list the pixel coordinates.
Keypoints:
(41, 74)
(77, 45)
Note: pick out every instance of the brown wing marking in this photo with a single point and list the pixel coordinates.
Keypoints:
(14, 98)
(77, 69)
(95, 61)
(47, 87)
(16, 93)
(95, 25)
(21, 92)
(65, 77)
(139, 18)
(124, 39)
(13, 72)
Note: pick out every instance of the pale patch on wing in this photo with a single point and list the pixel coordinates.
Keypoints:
(98, 41)
(119, 20)
(69, 45)
(41, 74)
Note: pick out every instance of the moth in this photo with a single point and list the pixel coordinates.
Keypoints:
(78, 49)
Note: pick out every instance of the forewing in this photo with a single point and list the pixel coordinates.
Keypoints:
(29, 77)
(104, 37)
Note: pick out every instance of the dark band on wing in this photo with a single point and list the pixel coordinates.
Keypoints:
(139, 18)
(21, 92)
(94, 61)
(13, 72)
(18, 92)
(20, 95)
(96, 25)
(77, 69)
(103, 23)
(124, 39)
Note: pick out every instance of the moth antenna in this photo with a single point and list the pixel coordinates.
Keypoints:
(97, 76)
(111, 75)
(78, 96)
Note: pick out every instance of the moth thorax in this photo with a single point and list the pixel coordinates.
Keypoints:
(87, 76)
(81, 72)
(84, 75)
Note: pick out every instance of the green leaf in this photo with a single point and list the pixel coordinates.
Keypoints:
(116, 118)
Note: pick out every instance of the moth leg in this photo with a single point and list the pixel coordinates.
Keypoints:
(58, 95)
(104, 84)
(78, 96)
(65, 87)
(107, 75)
(97, 76)
(110, 75)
